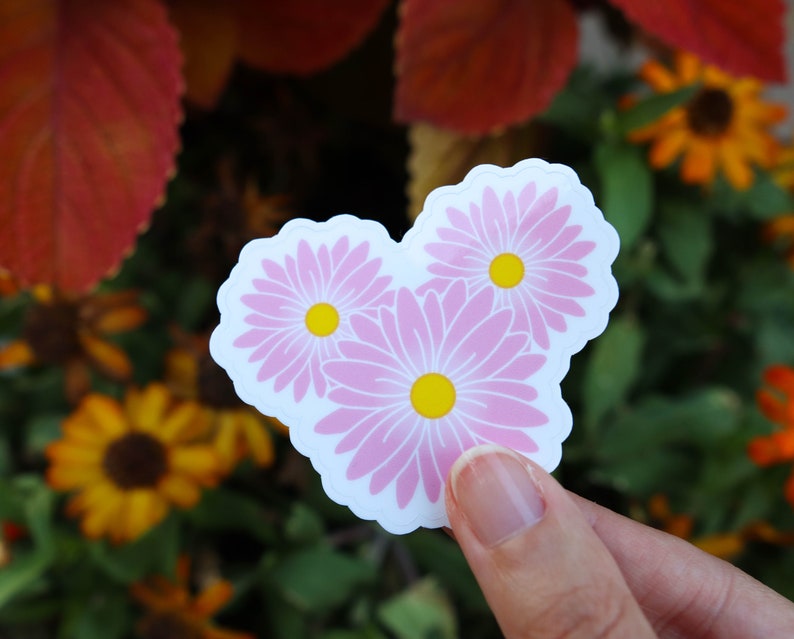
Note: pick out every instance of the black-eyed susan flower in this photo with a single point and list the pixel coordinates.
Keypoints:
(236, 429)
(130, 462)
(724, 127)
(173, 611)
(71, 331)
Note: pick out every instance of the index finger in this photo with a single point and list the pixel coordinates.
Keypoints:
(684, 591)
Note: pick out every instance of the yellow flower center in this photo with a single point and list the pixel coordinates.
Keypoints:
(433, 395)
(322, 319)
(506, 270)
(710, 112)
(135, 460)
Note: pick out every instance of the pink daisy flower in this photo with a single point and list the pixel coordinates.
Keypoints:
(526, 250)
(302, 308)
(423, 382)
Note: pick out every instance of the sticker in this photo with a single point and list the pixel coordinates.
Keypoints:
(387, 360)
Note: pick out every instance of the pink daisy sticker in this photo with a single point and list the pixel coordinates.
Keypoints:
(540, 246)
(296, 305)
(388, 360)
(420, 384)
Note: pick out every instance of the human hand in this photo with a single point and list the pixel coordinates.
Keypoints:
(555, 566)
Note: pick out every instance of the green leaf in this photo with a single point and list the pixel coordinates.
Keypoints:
(154, 553)
(223, 509)
(28, 567)
(613, 366)
(685, 234)
(626, 190)
(422, 612)
(103, 615)
(436, 553)
(303, 525)
(652, 108)
(319, 579)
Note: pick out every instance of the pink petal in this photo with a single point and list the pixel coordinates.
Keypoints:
(500, 357)
(274, 271)
(460, 220)
(538, 211)
(511, 438)
(569, 268)
(376, 449)
(552, 225)
(559, 283)
(339, 250)
(368, 331)
(251, 338)
(388, 472)
(413, 330)
(431, 479)
(407, 483)
(367, 377)
(522, 367)
(447, 447)
(340, 421)
(577, 250)
(561, 304)
(370, 422)
(526, 197)
(554, 320)
(498, 408)
(309, 275)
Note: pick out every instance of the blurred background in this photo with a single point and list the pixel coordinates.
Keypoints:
(144, 142)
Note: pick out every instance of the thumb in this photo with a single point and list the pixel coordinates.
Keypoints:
(541, 566)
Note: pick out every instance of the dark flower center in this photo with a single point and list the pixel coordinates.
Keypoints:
(710, 112)
(136, 460)
(168, 625)
(215, 389)
(51, 332)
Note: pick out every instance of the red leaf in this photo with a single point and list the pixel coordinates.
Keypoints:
(744, 37)
(89, 110)
(303, 36)
(474, 66)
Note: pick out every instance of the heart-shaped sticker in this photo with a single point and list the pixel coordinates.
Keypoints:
(388, 360)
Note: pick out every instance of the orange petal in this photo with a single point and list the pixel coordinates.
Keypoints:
(212, 598)
(667, 148)
(257, 438)
(16, 353)
(198, 462)
(725, 545)
(64, 478)
(658, 77)
(179, 490)
(147, 408)
(736, 168)
(184, 423)
(104, 414)
(781, 378)
(699, 163)
(108, 358)
(144, 510)
(118, 320)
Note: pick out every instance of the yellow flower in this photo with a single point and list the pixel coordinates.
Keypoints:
(236, 429)
(725, 126)
(129, 463)
(69, 332)
(174, 613)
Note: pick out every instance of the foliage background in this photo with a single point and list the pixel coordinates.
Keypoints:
(664, 401)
